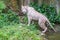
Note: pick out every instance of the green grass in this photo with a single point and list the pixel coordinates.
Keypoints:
(19, 32)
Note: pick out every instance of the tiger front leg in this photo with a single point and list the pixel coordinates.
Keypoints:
(29, 21)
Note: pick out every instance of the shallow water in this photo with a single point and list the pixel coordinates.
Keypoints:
(54, 36)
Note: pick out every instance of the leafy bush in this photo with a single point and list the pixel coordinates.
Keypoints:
(9, 17)
(48, 11)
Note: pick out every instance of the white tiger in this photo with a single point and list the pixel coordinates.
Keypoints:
(32, 14)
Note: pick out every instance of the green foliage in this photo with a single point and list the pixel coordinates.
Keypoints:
(48, 11)
(19, 32)
(57, 18)
(7, 18)
(2, 5)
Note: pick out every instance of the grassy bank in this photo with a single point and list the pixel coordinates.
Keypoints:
(19, 32)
